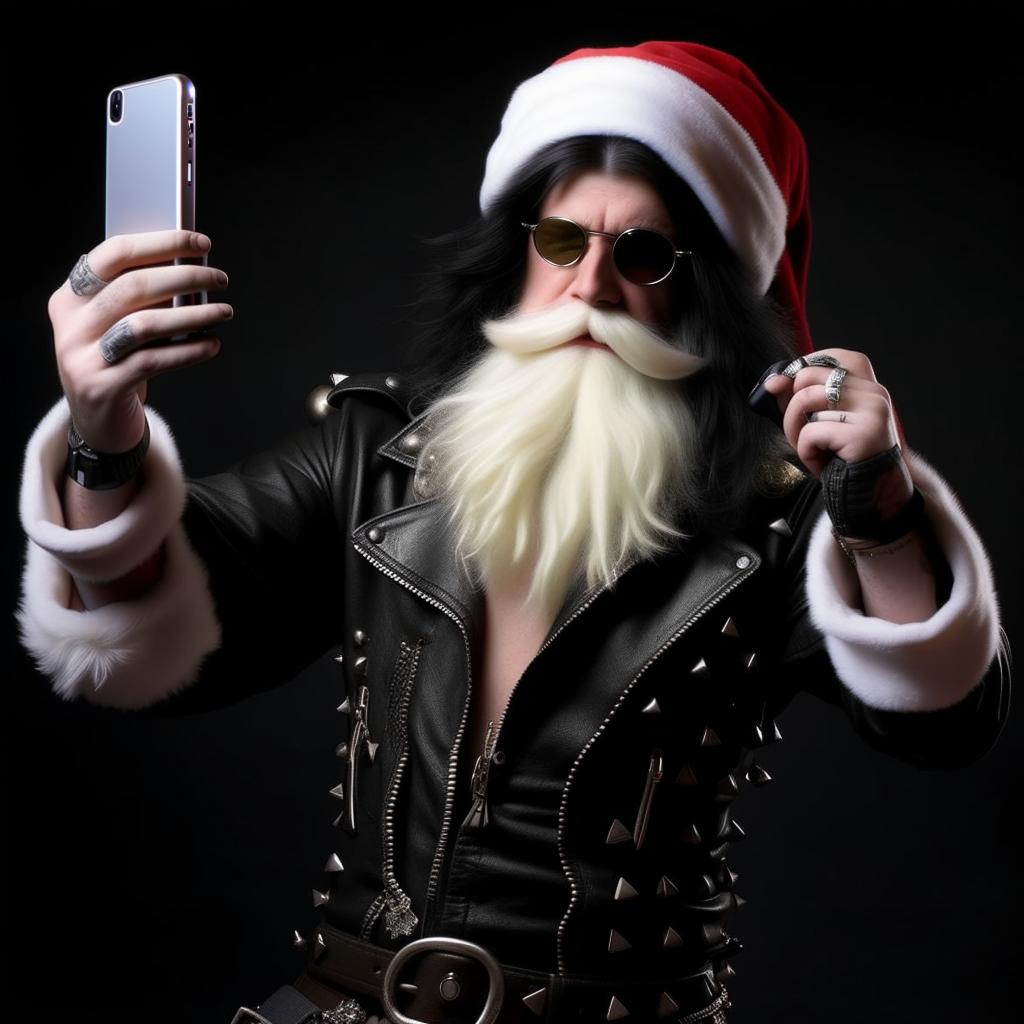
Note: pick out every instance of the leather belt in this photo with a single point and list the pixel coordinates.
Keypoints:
(447, 980)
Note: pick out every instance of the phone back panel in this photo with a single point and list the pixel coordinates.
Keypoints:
(151, 157)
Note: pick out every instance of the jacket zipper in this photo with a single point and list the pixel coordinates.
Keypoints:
(435, 868)
(399, 918)
(480, 815)
(654, 773)
(562, 814)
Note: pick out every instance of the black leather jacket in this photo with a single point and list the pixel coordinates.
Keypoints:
(609, 793)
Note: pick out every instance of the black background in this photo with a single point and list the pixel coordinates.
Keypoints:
(157, 869)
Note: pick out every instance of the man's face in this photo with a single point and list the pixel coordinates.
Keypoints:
(601, 202)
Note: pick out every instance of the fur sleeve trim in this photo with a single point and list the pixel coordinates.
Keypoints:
(111, 549)
(913, 666)
(125, 654)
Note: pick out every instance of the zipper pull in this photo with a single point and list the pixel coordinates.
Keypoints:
(478, 815)
(654, 772)
(360, 735)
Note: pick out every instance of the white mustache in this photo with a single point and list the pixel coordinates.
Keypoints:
(632, 341)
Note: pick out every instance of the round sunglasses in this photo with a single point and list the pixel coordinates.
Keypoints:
(641, 256)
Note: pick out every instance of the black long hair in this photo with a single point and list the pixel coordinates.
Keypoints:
(479, 271)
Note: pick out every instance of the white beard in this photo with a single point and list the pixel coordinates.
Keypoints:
(554, 458)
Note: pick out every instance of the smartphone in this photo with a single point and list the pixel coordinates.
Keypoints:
(151, 166)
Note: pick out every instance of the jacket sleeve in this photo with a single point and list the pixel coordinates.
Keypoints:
(934, 694)
(250, 579)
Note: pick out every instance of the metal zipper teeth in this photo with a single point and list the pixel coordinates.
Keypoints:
(435, 868)
(595, 592)
(562, 815)
(406, 670)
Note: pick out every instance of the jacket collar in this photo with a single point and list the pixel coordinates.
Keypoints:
(414, 544)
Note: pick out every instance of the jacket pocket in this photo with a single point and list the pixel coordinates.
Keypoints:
(396, 905)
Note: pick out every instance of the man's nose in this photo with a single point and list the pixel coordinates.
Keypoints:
(596, 280)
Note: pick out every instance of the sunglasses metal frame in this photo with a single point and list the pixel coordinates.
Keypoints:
(676, 253)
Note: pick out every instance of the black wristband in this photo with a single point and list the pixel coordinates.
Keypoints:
(850, 492)
(103, 471)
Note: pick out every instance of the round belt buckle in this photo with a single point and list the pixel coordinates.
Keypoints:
(496, 979)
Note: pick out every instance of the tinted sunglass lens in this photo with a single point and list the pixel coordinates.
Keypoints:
(559, 241)
(643, 257)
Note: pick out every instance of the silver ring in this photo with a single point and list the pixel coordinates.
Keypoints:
(118, 341)
(814, 359)
(834, 386)
(82, 280)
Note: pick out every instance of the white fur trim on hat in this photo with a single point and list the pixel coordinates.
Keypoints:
(912, 666)
(684, 124)
(125, 654)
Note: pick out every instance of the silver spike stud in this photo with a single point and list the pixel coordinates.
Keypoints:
(729, 876)
(692, 836)
(710, 738)
(757, 775)
(756, 735)
(341, 750)
(345, 706)
(371, 749)
(732, 832)
(686, 776)
(339, 791)
(360, 639)
(666, 1005)
(728, 787)
(359, 665)
(666, 887)
(707, 885)
(671, 938)
(337, 378)
(340, 659)
(297, 940)
(536, 1000)
(616, 1009)
(320, 947)
(750, 661)
(653, 708)
(724, 973)
(618, 942)
(775, 733)
(729, 629)
(781, 527)
(319, 898)
(408, 986)
(739, 901)
(712, 933)
(624, 891)
(700, 669)
(618, 833)
(334, 863)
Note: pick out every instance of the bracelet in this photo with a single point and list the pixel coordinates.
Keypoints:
(866, 548)
(103, 471)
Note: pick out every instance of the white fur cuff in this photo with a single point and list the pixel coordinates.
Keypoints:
(111, 549)
(126, 654)
(913, 666)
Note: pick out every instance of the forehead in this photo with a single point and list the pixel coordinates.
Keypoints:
(617, 201)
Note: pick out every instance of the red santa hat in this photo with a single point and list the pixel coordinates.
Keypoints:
(709, 118)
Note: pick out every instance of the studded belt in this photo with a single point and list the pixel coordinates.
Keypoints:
(445, 979)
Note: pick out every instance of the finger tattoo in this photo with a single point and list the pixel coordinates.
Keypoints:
(118, 341)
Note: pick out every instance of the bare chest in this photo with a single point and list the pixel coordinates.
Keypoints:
(512, 637)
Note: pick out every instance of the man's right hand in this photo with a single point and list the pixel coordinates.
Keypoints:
(97, 338)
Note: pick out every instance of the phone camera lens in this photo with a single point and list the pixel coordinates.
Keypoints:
(116, 101)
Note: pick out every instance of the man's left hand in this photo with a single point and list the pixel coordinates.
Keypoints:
(860, 426)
